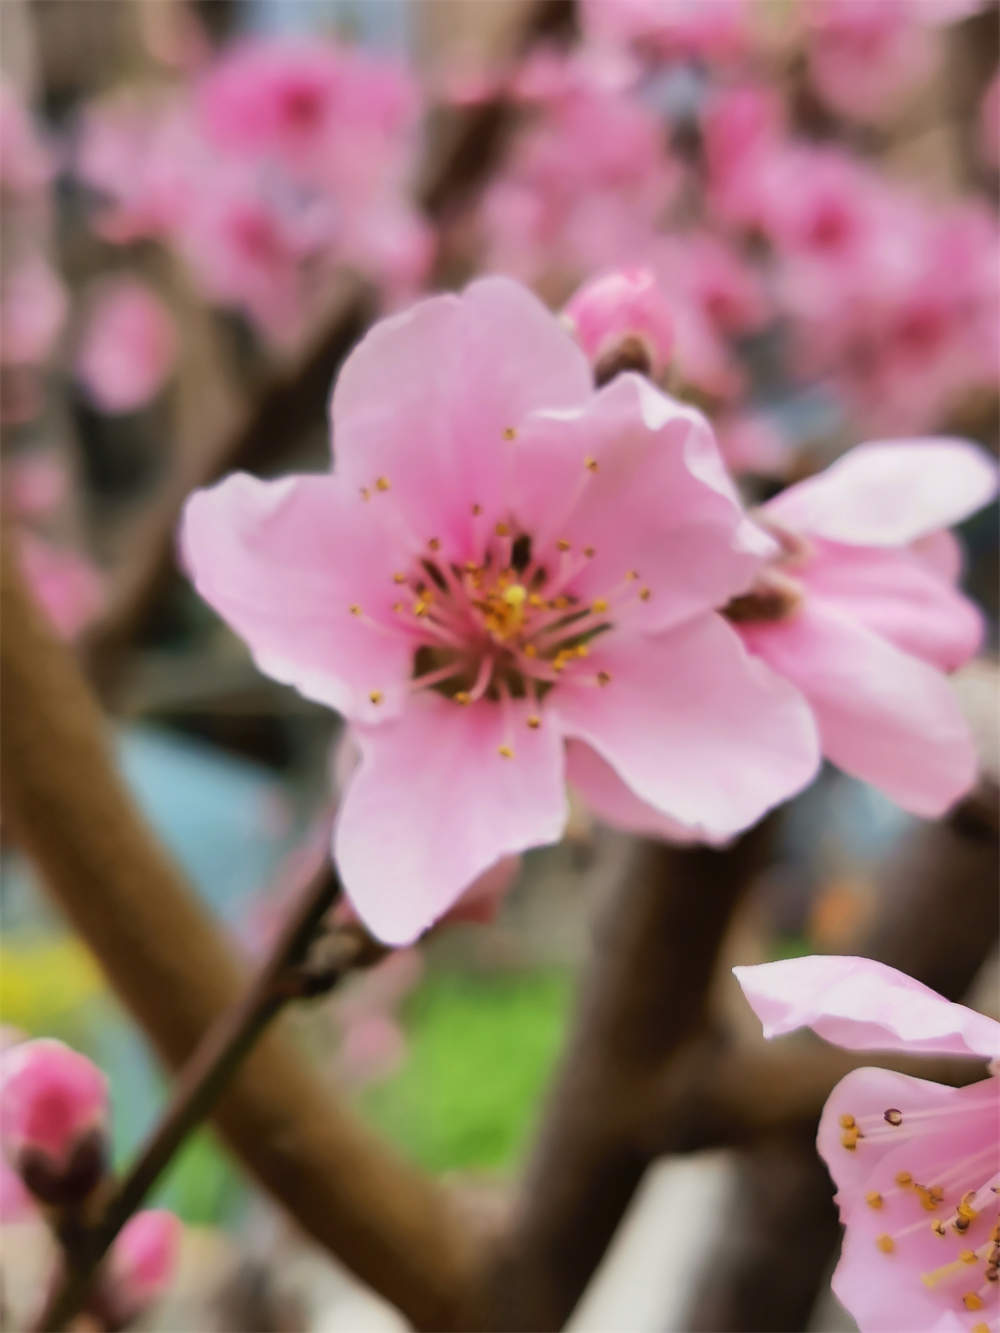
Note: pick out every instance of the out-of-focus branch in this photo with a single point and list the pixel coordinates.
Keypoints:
(70, 811)
(294, 401)
(643, 1005)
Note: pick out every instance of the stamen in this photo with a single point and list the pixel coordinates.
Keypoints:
(885, 1243)
(382, 483)
(376, 696)
(509, 433)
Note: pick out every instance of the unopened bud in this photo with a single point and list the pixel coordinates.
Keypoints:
(53, 1118)
(141, 1265)
(623, 322)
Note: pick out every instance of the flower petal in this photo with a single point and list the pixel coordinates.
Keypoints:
(610, 799)
(433, 804)
(863, 1005)
(896, 594)
(636, 478)
(691, 724)
(891, 493)
(283, 562)
(426, 397)
(883, 715)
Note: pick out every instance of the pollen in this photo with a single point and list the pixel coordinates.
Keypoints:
(847, 1122)
(972, 1301)
(903, 1178)
(874, 1199)
(589, 552)
(420, 608)
(599, 606)
(980, 1328)
(534, 721)
(476, 510)
(849, 1138)
(515, 594)
(885, 1243)
(502, 529)
(530, 650)
(435, 543)
(376, 696)
(399, 577)
(893, 1116)
(590, 464)
(463, 697)
(604, 677)
(365, 493)
(968, 1256)
(505, 752)
(645, 594)
(382, 483)
(938, 1227)
(509, 433)
(563, 545)
(354, 609)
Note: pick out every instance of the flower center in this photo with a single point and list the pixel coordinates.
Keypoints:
(962, 1199)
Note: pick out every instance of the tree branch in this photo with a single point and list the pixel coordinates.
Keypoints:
(70, 811)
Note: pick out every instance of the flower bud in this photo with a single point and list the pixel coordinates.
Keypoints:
(623, 322)
(142, 1263)
(53, 1116)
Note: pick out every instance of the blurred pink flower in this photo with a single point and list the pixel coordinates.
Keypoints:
(53, 1116)
(32, 311)
(699, 30)
(916, 1164)
(127, 346)
(66, 584)
(516, 559)
(34, 483)
(624, 305)
(861, 613)
(141, 1264)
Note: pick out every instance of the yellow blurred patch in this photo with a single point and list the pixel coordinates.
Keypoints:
(43, 985)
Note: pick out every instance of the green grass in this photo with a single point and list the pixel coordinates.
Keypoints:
(481, 1051)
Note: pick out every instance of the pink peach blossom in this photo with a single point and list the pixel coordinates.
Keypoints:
(66, 584)
(51, 1099)
(719, 30)
(141, 1264)
(860, 614)
(619, 306)
(916, 1164)
(32, 311)
(503, 559)
(127, 346)
(34, 483)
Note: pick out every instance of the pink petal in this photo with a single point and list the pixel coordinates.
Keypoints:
(128, 345)
(609, 798)
(425, 399)
(434, 804)
(283, 562)
(895, 594)
(941, 553)
(657, 501)
(692, 725)
(863, 1005)
(883, 715)
(889, 494)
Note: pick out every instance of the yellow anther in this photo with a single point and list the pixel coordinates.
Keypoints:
(874, 1199)
(903, 1178)
(972, 1301)
(515, 594)
(354, 609)
(589, 552)
(849, 1139)
(563, 545)
(938, 1227)
(505, 752)
(435, 543)
(535, 600)
(365, 493)
(892, 1116)
(847, 1122)
(929, 1199)
(463, 697)
(398, 607)
(476, 510)
(590, 464)
(399, 577)
(376, 696)
(420, 608)
(604, 677)
(885, 1243)
(534, 721)
(980, 1328)
(381, 483)
(509, 433)
(530, 650)
(502, 529)
(471, 567)
(645, 594)
(581, 650)
(560, 603)
(599, 606)
(968, 1256)
(632, 575)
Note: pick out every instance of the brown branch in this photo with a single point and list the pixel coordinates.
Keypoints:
(68, 808)
(643, 1004)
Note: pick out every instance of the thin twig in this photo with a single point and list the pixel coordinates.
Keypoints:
(202, 1081)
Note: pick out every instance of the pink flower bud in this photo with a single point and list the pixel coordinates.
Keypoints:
(623, 322)
(53, 1115)
(142, 1262)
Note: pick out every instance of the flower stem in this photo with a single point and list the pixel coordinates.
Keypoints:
(283, 975)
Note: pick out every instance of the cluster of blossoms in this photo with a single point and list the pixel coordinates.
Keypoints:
(54, 1118)
(268, 169)
(512, 580)
(674, 137)
(916, 1163)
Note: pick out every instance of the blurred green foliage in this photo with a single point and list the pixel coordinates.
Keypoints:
(481, 1051)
